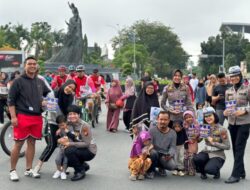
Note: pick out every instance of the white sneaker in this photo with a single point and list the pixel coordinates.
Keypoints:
(37, 169)
(141, 177)
(14, 176)
(181, 173)
(175, 172)
(63, 175)
(132, 177)
(31, 173)
(57, 174)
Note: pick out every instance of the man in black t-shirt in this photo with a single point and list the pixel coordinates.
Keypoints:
(218, 96)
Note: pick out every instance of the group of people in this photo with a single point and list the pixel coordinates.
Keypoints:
(26, 102)
(170, 142)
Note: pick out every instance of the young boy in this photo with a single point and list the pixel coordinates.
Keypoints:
(181, 139)
(61, 159)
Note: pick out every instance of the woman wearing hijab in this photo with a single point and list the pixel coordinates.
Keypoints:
(178, 96)
(114, 94)
(130, 99)
(147, 98)
(65, 96)
(238, 96)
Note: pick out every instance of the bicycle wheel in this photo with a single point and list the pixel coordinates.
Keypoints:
(6, 139)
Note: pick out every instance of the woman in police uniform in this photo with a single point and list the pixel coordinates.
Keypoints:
(239, 121)
(211, 159)
(176, 93)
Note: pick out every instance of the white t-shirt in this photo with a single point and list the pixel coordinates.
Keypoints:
(194, 83)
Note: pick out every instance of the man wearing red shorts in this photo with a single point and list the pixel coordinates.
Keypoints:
(25, 105)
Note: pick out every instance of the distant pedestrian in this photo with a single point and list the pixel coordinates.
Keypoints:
(130, 98)
(113, 95)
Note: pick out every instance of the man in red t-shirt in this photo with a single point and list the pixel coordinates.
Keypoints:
(60, 79)
(72, 72)
(98, 80)
(81, 79)
(98, 83)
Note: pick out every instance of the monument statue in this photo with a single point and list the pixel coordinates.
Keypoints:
(72, 51)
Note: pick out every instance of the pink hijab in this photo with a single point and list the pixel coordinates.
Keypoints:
(129, 87)
(114, 93)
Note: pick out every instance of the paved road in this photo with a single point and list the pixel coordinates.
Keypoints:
(109, 170)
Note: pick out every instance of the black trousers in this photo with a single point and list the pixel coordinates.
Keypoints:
(239, 135)
(208, 165)
(127, 118)
(3, 103)
(77, 156)
(52, 144)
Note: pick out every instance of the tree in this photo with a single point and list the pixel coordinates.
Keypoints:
(230, 60)
(126, 69)
(85, 49)
(126, 55)
(13, 35)
(163, 46)
(58, 38)
(95, 55)
(236, 48)
(41, 39)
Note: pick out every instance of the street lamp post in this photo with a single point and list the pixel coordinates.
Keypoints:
(134, 61)
(222, 56)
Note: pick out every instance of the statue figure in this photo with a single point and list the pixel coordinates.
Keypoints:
(72, 51)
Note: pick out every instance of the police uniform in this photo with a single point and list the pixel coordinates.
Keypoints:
(211, 159)
(171, 93)
(239, 127)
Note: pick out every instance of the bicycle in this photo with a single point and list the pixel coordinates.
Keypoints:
(6, 136)
(90, 114)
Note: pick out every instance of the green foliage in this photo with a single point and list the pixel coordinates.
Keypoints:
(126, 69)
(162, 45)
(236, 48)
(126, 55)
(13, 35)
(41, 64)
(42, 39)
(95, 56)
(85, 49)
(230, 60)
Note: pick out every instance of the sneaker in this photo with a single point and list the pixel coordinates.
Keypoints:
(57, 174)
(14, 176)
(31, 173)
(150, 175)
(162, 172)
(132, 177)
(175, 172)
(181, 173)
(63, 175)
(37, 169)
(141, 177)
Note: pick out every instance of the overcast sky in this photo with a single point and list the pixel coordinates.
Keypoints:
(192, 20)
